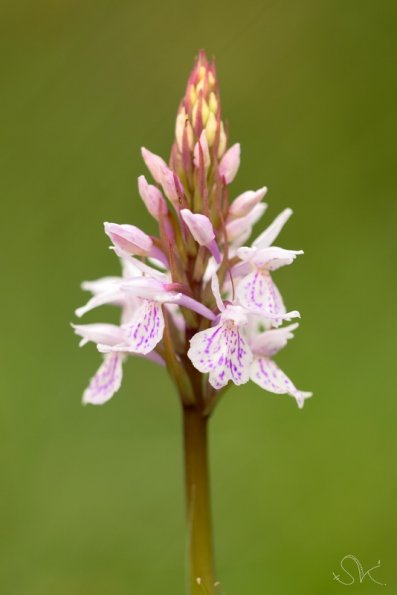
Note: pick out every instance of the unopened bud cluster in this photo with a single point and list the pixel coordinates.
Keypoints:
(194, 297)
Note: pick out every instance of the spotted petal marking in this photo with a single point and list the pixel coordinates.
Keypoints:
(106, 381)
(266, 374)
(222, 352)
(145, 329)
(257, 292)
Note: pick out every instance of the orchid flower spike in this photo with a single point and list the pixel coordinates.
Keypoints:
(170, 292)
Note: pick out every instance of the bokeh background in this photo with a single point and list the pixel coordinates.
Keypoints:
(91, 498)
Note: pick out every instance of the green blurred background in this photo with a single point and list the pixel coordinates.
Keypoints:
(91, 498)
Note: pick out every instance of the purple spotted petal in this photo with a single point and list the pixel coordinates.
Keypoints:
(223, 353)
(145, 329)
(268, 376)
(258, 293)
(106, 381)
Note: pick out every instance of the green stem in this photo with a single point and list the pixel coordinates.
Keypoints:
(200, 554)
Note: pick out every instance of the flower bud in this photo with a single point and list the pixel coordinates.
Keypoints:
(172, 186)
(179, 128)
(129, 238)
(211, 128)
(201, 229)
(152, 197)
(154, 163)
(199, 226)
(222, 141)
(244, 203)
(163, 175)
(201, 105)
(213, 103)
(202, 143)
(230, 163)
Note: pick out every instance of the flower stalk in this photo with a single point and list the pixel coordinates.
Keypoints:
(198, 507)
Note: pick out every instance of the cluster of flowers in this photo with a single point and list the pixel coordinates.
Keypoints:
(194, 298)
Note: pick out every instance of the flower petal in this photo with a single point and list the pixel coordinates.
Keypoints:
(270, 342)
(110, 334)
(115, 297)
(106, 381)
(145, 329)
(223, 353)
(102, 285)
(271, 258)
(267, 237)
(266, 374)
(258, 293)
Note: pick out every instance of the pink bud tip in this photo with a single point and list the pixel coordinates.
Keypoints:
(230, 163)
(155, 164)
(244, 203)
(129, 238)
(152, 197)
(199, 226)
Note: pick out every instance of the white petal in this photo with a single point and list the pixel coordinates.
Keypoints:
(130, 306)
(217, 293)
(116, 297)
(143, 287)
(106, 381)
(268, 236)
(223, 353)
(110, 334)
(268, 376)
(103, 285)
(145, 329)
(270, 258)
(212, 267)
(137, 268)
(128, 265)
(271, 341)
(236, 314)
